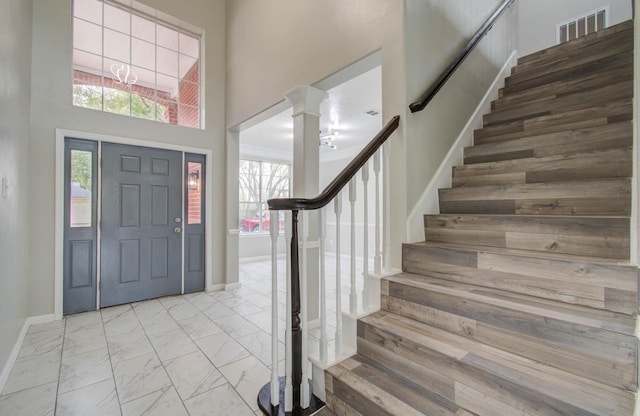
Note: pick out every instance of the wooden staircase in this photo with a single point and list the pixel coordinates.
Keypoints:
(521, 301)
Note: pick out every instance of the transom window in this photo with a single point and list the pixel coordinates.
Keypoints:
(259, 182)
(127, 62)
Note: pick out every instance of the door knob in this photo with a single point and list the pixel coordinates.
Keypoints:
(177, 230)
(178, 220)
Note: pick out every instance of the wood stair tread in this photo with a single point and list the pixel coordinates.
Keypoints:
(568, 46)
(468, 361)
(561, 103)
(593, 117)
(580, 315)
(603, 236)
(551, 332)
(387, 392)
(599, 283)
(547, 162)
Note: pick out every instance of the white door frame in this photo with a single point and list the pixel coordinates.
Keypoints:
(59, 204)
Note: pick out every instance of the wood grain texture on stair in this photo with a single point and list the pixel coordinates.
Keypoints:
(521, 300)
(570, 279)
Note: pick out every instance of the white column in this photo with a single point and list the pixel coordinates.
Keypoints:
(306, 173)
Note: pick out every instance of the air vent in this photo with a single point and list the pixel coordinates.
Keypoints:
(372, 112)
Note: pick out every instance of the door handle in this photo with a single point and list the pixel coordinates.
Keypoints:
(177, 230)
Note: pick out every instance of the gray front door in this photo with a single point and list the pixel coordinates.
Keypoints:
(141, 244)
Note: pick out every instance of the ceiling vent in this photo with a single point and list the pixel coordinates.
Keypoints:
(372, 112)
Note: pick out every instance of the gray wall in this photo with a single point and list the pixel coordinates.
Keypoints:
(539, 18)
(15, 50)
(52, 108)
(436, 31)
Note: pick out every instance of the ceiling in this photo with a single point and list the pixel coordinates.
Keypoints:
(344, 110)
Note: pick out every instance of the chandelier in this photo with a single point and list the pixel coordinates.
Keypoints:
(122, 74)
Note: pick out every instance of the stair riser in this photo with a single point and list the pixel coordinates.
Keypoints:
(610, 163)
(560, 88)
(517, 83)
(615, 248)
(580, 57)
(600, 286)
(564, 345)
(466, 369)
(602, 237)
(601, 36)
(562, 104)
(564, 122)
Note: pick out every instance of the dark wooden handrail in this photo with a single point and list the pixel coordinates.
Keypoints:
(422, 102)
(340, 181)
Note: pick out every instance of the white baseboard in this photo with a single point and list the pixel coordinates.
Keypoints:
(428, 202)
(8, 366)
(216, 288)
(232, 286)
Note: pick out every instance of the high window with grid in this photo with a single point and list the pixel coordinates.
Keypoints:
(129, 63)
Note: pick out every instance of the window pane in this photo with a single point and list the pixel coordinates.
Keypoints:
(90, 10)
(188, 116)
(143, 106)
(117, 19)
(189, 93)
(189, 45)
(116, 46)
(143, 28)
(86, 95)
(167, 38)
(87, 36)
(117, 100)
(189, 68)
(143, 54)
(167, 62)
(194, 193)
(81, 192)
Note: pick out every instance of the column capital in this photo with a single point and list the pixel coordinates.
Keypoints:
(306, 100)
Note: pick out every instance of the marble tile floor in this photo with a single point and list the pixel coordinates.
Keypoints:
(195, 354)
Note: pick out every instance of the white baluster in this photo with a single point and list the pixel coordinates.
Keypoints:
(377, 259)
(365, 248)
(353, 299)
(337, 208)
(386, 200)
(274, 231)
(305, 394)
(288, 388)
(324, 344)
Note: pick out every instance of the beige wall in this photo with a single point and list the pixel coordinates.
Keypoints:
(275, 45)
(539, 18)
(15, 43)
(436, 31)
(51, 109)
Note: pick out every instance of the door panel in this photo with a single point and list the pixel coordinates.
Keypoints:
(80, 231)
(141, 223)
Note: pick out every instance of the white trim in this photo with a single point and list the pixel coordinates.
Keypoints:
(59, 201)
(216, 288)
(231, 286)
(635, 196)
(8, 366)
(428, 202)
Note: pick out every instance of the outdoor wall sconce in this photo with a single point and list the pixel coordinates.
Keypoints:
(193, 181)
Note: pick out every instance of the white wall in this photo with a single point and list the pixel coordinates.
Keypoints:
(275, 45)
(436, 31)
(539, 18)
(51, 108)
(15, 44)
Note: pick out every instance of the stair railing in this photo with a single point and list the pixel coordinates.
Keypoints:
(431, 92)
(294, 390)
(293, 394)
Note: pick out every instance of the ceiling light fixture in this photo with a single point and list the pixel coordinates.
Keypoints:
(123, 75)
(326, 139)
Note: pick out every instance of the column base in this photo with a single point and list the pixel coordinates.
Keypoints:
(264, 402)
